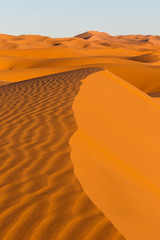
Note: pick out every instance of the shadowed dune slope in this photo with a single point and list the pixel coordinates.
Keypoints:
(115, 153)
(41, 199)
(146, 58)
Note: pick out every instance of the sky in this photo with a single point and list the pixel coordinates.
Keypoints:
(67, 18)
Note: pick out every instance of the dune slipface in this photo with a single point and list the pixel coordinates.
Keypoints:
(116, 152)
(41, 199)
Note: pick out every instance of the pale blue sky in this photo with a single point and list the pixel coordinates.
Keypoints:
(65, 18)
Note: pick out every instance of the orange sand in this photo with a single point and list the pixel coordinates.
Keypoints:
(114, 191)
(119, 166)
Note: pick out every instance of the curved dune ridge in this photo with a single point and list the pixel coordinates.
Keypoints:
(116, 152)
(40, 196)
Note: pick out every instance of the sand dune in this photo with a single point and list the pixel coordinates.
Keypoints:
(146, 58)
(141, 42)
(90, 39)
(109, 187)
(40, 196)
(27, 60)
(116, 153)
(15, 68)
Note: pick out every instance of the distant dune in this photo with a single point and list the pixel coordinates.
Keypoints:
(79, 137)
(90, 39)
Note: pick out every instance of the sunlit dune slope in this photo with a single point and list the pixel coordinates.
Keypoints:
(116, 152)
(41, 199)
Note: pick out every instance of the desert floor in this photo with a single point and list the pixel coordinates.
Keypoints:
(79, 137)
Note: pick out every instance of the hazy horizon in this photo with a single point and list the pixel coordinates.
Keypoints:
(79, 33)
(67, 19)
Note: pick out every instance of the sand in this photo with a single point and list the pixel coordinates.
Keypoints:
(79, 162)
(40, 196)
(118, 166)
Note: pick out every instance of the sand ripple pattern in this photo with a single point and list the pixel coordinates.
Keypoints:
(40, 197)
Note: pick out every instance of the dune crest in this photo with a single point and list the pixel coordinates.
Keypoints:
(115, 153)
(40, 196)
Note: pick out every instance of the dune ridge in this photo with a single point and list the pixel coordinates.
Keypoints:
(87, 40)
(115, 153)
(40, 195)
(22, 63)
